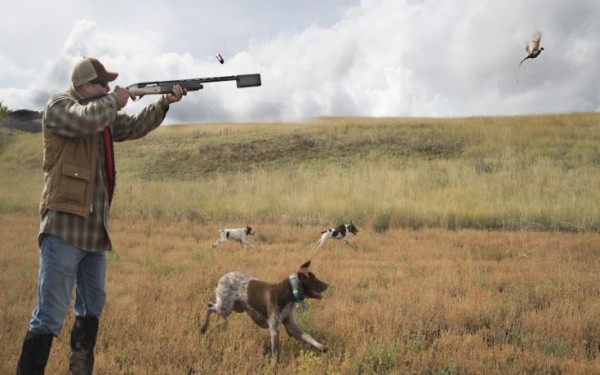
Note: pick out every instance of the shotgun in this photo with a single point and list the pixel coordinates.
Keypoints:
(165, 87)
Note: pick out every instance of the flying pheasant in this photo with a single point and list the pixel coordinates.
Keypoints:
(533, 48)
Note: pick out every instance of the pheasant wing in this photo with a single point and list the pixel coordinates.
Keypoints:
(534, 44)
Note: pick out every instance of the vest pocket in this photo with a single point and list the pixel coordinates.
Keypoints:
(74, 183)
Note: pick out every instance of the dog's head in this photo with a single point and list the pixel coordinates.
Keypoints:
(311, 285)
(352, 228)
(249, 230)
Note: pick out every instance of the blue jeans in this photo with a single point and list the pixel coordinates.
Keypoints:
(62, 266)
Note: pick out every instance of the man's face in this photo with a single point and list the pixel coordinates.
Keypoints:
(94, 88)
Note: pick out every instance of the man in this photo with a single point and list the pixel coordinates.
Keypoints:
(79, 127)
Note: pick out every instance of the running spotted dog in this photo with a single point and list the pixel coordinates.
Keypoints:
(269, 305)
(238, 234)
(339, 233)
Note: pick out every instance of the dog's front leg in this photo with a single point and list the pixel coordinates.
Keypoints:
(349, 242)
(294, 331)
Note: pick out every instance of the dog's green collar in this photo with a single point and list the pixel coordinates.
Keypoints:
(295, 284)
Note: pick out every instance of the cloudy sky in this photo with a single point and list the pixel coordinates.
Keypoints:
(316, 57)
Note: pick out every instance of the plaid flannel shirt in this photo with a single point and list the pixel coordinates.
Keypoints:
(66, 117)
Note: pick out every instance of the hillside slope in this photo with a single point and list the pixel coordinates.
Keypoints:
(482, 172)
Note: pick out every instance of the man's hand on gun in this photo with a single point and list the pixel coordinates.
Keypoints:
(175, 95)
(123, 95)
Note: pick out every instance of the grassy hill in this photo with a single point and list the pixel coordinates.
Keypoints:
(191, 151)
(526, 172)
(507, 301)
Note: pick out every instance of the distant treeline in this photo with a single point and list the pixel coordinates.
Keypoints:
(24, 120)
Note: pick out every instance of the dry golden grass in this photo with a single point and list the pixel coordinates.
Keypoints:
(406, 301)
(499, 173)
(428, 301)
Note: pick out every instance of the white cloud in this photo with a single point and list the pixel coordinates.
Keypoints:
(380, 58)
(10, 73)
(87, 39)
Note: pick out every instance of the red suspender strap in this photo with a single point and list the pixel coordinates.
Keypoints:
(109, 157)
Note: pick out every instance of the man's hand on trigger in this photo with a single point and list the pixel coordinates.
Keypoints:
(122, 95)
(175, 95)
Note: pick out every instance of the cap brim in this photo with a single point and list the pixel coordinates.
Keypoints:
(109, 76)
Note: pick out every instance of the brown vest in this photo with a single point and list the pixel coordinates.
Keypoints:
(69, 173)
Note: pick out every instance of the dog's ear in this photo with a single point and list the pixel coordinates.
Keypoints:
(305, 265)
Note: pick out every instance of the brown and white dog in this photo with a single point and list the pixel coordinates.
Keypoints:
(269, 305)
(237, 234)
(339, 233)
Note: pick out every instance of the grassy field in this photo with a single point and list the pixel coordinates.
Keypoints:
(507, 173)
(478, 250)
(430, 301)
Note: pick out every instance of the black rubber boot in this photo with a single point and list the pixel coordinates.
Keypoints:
(34, 354)
(83, 341)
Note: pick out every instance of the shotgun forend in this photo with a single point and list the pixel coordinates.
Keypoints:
(164, 87)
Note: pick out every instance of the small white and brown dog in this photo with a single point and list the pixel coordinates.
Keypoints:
(339, 233)
(238, 234)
